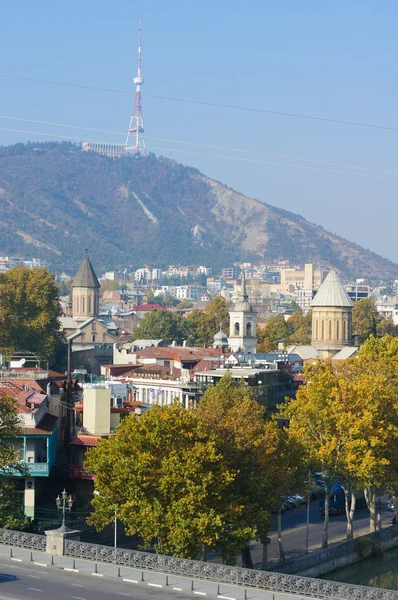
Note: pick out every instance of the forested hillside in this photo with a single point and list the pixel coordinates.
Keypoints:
(56, 200)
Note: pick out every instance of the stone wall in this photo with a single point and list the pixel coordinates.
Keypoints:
(321, 562)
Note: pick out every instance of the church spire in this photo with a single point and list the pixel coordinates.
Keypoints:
(245, 296)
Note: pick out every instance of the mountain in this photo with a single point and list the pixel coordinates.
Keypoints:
(56, 200)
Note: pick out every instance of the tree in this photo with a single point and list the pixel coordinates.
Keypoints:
(275, 329)
(387, 327)
(11, 510)
(204, 324)
(163, 325)
(300, 326)
(312, 426)
(29, 310)
(371, 456)
(168, 480)
(248, 445)
(365, 319)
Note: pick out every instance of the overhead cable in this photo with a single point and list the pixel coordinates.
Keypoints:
(208, 103)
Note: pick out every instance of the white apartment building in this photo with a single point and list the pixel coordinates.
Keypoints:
(388, 308)
(143, 274)
(190, 292)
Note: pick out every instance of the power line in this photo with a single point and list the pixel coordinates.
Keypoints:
(211, 146)
(233, 158)
(208, 103)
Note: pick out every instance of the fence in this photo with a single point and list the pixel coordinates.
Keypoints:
(274, 582)
(344, 549)
(21, 539)
(169, 565)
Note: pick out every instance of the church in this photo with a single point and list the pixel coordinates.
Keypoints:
(331, 323)
(92, 337)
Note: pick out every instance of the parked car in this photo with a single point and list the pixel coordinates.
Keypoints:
(390, 506)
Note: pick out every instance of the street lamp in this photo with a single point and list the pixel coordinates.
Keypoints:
(97, 493)
(62, 503)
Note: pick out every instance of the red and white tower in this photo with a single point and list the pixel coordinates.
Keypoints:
(135, 140)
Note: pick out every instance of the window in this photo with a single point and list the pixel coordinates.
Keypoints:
(323, 330)
(237, 329)
(330, 330)
(89, 304)
(83, 299)
(94, 338)
(338, 329)
(249, 329)
(316, 329)
(344, 329)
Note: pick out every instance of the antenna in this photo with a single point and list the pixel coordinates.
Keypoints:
(136, 126)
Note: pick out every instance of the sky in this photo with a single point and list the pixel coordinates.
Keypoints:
(331, 60)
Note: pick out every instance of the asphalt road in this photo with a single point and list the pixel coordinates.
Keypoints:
(22, 581)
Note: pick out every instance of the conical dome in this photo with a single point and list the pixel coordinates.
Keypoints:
(332, 292)
(86, 277)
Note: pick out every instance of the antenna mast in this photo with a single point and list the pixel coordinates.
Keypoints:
(135, 140)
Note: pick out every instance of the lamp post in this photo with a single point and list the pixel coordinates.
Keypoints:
(97, 493)
(62, 503)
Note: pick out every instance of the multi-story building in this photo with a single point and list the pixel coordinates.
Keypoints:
(190, 292)
(358, 291)
(230, 273)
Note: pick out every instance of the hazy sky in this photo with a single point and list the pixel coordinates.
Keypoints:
(335, 60)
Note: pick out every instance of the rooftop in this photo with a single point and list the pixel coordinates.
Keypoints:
(332, 292)
(86, 276)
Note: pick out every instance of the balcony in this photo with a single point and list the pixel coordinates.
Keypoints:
(38, 469)
(35, 469)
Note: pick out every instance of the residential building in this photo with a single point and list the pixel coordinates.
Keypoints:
(270, 385)
(230, 273)
(358, 291)
(190, 292)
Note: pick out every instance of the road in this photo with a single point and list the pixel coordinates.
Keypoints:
(25, 574)
(294, 530)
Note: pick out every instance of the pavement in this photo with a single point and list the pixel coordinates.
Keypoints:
(25, 574)
(294, 530)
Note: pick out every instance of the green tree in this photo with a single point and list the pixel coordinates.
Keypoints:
(204, 324)
(247, 445)
(162, 325)
(387, 327)
(365, 319)
(276, 328)
(11, 509)
(300, 326)
(29, 310)
(168, 480)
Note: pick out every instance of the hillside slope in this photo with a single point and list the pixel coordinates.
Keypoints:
(56, 200)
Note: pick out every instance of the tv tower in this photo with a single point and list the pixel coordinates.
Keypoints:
(136, 126)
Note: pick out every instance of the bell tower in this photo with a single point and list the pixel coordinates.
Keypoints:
(85, 292)
(242, 324)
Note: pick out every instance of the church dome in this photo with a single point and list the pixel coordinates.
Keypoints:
(243, 306)
(332, 293)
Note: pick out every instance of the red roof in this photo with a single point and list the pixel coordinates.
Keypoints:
(144, 307)
(86, 440)
(45, 427)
